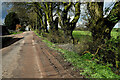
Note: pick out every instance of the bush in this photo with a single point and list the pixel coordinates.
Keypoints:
(56, 37)
(11, 20)
(109, 52)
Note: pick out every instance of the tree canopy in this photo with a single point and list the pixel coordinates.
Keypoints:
(11, 20)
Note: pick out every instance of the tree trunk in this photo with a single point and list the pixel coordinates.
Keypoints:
(99, 26)
(68, 26)
(101, 30)
(68, 36)
(46, 30)
(101, 35)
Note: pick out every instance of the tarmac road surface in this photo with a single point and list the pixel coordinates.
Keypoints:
(31, 58)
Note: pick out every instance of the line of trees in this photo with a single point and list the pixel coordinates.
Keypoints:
(99, 25)
(54, 13)
(45, 12)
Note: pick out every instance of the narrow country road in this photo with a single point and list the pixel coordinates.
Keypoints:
(31, 58)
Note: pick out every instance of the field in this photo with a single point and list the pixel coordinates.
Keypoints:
(86, 35)
(82, 36)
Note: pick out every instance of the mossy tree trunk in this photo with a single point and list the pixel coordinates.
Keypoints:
(45, 23)
(66, 25)
(42, 17)
(53, 24)
(101, 28)
(99, 25)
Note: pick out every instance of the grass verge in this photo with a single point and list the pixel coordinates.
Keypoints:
(87, 67)
(16, 32)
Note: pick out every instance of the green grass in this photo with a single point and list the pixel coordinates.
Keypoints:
(16, 32)
(82, 33)
(82, 36)
(86, 35)
(114, 34)
(87, 67)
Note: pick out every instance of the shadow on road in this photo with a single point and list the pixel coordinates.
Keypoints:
(7, 41)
